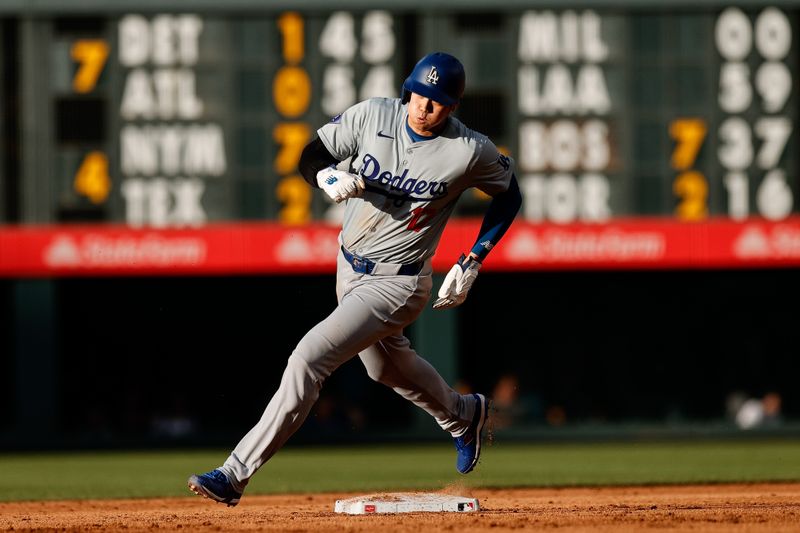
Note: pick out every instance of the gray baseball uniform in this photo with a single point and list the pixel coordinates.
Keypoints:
(411, 190)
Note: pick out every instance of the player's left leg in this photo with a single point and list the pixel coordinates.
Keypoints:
(394, 363)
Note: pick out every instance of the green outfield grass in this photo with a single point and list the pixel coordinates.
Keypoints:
(344, 469)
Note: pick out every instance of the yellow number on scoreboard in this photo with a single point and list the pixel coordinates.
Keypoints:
(691, 187)
(295, 194)
(291, 26)
(291, 91)
(292, 137)
(689, 134)
(92, 179)
(91, 54)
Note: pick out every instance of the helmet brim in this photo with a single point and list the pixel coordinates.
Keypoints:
(429, 92)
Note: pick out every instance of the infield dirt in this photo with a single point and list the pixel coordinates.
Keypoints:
(738, 508)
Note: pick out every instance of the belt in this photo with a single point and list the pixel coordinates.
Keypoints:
(365, 266)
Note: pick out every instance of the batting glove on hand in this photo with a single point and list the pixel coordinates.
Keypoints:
(457, 283)
(339, 185)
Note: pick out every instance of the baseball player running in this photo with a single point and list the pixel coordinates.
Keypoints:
(411, 160)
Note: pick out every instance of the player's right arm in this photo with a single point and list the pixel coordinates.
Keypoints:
(315, 157)
(318, 168)
(336, 141)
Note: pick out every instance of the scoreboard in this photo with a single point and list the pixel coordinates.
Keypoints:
(172, 117)
(182, 118)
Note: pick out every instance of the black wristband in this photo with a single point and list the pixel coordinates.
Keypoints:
(314, 158)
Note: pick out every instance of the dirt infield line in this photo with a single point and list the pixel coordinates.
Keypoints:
(758, 507)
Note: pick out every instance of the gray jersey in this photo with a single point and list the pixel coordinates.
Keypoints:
(411, 187)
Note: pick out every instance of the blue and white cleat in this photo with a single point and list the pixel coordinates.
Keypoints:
(468, 445)
(214, 485)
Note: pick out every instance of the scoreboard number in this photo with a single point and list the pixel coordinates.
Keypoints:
(92, 179)
(689, 134)
(291, 91)
(690, 186)
(295, 194)
(338, 42)
(91, 56)
(292, 138)
(291, 26)
(750, 146)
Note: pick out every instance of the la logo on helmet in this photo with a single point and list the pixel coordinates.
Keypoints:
(433, 76)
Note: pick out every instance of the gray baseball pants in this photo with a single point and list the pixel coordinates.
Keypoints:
(369, 321)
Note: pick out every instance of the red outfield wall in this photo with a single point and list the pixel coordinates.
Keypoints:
(269, 248)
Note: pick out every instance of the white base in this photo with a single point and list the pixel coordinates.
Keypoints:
(407, 502)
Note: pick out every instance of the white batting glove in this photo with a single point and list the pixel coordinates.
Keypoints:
(339, 185)
(457, 283)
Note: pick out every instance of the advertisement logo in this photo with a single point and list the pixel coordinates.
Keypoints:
(782, 241)
(556, 245)
(149, 250)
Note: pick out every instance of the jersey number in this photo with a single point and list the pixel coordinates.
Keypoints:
(419, 217)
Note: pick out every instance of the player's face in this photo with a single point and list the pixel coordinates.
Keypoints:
(426, 116)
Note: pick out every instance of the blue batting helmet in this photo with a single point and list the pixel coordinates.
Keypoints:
(438, 76)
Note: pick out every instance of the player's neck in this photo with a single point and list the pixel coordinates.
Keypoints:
(416, 136)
